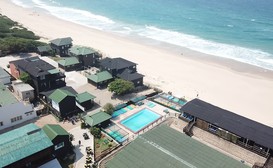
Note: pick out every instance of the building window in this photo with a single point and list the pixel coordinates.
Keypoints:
(42, 77)
(30, 113)
(1, 123)
(16, 118)
(58, 146)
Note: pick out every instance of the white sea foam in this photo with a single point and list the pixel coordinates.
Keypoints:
(76, 15)
(246, 55)
(20, 3)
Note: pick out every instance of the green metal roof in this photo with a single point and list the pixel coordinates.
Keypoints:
(62, 41)
(6, 97)
(69, 61)
(100, 76)
(85, 96)
(97, 118)
(44, 48)
(3, 73)
(165, 147)
(81, 50)
(53, 71)
(53, 130)
(59, 94)
(22, 142)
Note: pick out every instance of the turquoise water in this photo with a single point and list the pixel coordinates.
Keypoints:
(118, 112)
(237, 29)
(140, 120)
(117, 136)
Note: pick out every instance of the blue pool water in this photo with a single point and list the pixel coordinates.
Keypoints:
(140, 120)
(117, 136)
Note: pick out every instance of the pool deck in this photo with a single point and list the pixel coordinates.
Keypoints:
(159, 109)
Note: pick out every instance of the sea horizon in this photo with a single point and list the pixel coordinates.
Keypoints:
(226, 32)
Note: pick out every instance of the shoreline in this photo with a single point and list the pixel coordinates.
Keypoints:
(239, 87)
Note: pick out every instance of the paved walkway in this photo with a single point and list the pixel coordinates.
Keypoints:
(80, 150)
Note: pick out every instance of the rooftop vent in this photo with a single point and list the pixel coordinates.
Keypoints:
(34, 131)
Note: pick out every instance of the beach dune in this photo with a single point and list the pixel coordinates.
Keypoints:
(240, 88)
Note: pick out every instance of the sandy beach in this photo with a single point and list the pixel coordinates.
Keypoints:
(240, 88)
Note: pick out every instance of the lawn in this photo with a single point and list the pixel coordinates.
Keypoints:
(104, 144)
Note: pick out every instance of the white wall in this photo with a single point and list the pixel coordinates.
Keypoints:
(27, 95)
(14, 110)
(55, 105)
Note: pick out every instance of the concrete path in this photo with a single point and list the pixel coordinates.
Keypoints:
(80, 149)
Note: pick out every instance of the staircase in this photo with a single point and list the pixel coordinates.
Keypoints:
(188, 129)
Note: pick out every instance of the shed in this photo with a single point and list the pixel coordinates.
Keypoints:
(100, 79)
(99, 118)
(69, 64)
(85, 100)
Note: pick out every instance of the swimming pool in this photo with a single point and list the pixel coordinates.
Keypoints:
(140, 120)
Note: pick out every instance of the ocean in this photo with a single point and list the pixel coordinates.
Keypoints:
(241, 30)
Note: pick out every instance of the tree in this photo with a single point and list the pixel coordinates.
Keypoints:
(96, 132)
(120, 86)
(109, 108)
(24, 77)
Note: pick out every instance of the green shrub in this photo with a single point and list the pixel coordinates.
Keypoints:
(96, 132)
(109, 108)
(120, 86)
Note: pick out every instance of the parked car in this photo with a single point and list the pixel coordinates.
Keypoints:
(85, 136)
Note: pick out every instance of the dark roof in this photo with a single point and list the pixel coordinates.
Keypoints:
(116, 63)
(231, 122)
(62, 41)
(33, 66)
(128, 75)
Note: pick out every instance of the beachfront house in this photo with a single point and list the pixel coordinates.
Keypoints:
(44, 50)
(12, 111)
(4, 76)
(242, 131)
(69, 64)
(43, 76)
(23, 90)
(60, 46)
(27, 146)
(86, 56)
(100, 79)
(135, 77)
(122, 68)
(63, 103)
(60, 139)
